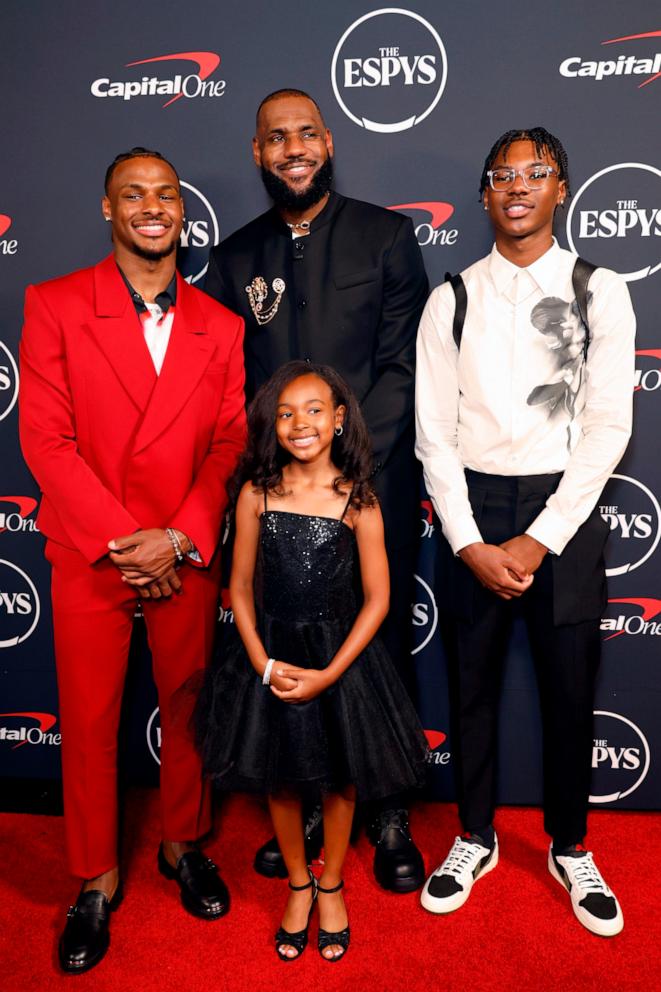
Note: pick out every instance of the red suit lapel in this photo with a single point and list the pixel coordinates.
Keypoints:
(189, 352)
(118, 333)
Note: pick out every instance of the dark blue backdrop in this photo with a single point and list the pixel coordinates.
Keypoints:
(414, 96)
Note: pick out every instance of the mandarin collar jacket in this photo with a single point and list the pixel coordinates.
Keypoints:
(354, 290)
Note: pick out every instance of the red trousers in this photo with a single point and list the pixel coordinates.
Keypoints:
(92, 619)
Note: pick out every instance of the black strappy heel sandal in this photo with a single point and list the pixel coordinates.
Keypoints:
(298, 940)
(326, 939)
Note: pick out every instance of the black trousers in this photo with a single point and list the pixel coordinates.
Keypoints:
(566, 655)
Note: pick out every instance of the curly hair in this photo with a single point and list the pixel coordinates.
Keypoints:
(543, 141)
(263, 460)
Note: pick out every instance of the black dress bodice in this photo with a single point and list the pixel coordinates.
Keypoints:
(311, 564)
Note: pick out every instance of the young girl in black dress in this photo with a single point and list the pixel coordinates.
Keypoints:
(307, 702)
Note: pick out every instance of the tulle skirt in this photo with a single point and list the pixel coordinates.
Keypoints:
(362, 731)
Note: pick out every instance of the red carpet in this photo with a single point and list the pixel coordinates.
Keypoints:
(516, 934)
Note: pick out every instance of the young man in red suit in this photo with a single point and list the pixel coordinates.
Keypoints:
(132, 419)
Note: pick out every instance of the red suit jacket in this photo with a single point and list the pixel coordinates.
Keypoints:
(114, 447)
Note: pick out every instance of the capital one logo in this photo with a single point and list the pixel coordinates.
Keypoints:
(625, 64)
(633, 616)
(19, 605)
(14, 514)
(225, 612)
(615, 219)
(428, 219)
(389, 70)
(424, 614)
(648, 375)
(620, 757)
(154, 735)
(8, 246)
(427, 518)
(633, 514)
(436, 739)
(199, 233)
(188, 85)
(37, 730)
(8, 381)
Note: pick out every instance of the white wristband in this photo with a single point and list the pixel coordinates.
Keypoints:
(266, 677)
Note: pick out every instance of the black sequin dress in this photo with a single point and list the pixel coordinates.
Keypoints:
(363, 730)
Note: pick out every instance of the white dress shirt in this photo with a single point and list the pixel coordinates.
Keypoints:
(156, 327)
(519, 398)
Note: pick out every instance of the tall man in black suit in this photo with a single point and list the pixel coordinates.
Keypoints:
(340, 282)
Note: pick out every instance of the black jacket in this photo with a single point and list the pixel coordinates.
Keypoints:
(354, 291)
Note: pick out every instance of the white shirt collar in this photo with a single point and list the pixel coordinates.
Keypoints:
(542, 271)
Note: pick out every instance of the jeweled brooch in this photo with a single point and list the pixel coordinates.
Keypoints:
(258, 291)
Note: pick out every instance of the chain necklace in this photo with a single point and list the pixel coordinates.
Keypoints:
(303, 226)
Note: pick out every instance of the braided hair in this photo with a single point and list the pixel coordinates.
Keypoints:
(137, 152)
(543, 141)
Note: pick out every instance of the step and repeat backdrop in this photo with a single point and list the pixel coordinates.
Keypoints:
(415, 96)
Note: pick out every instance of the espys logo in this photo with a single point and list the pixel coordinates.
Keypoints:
(19, 605)
(16, 520)
(199, 233)
(428, 232)
(195, 84)
(427, 518)
(14, 730)
(389, 70)
(647, 379)
(622, 65)
(633, 514)
(436, 738)
(8, 246)
(615, 219)
(644, 622)
(424, 614)
(154, 735)
(8, 381)
(620, 757)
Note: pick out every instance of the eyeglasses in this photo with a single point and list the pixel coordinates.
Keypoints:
(534, 177)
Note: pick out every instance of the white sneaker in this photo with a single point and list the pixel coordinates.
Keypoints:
(450, 885)
(594, 905)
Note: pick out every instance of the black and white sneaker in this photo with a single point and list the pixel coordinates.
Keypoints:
(450, 885)
(594, 905)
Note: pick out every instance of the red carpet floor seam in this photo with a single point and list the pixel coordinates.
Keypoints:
(516, 933)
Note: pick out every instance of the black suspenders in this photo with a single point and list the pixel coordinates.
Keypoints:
(580, 279)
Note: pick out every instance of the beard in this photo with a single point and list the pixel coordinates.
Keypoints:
(288, 199)
(155, 254)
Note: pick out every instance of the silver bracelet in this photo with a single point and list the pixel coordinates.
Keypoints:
(176, 546)
(266, 677)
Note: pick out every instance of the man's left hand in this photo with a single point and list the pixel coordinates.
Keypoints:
(143, 557)
(529, 551)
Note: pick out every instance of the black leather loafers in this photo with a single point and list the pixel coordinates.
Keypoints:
(86, 936)
(203, 892)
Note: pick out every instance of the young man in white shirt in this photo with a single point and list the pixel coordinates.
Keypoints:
(520, 421)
